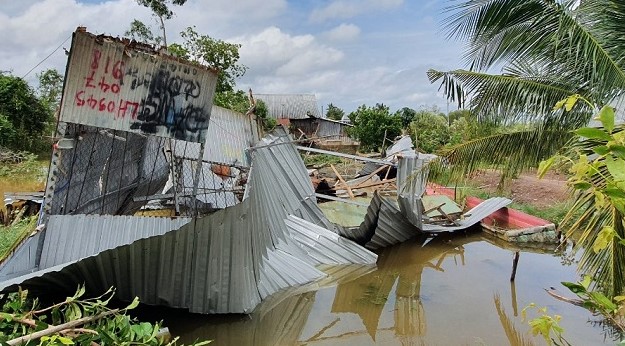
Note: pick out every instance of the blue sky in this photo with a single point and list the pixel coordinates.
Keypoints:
(347, 52)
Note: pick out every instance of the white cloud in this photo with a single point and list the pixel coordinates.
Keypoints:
(343, 32)
(351, 8)
(277, 52)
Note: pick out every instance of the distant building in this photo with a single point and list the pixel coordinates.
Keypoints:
(284, 107)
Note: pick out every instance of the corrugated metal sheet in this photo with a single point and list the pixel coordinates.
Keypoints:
(290, 106)
(383, 225)
(226, 262)
(412, 177)
(230, 134)
(392, 227)
(86, 235)
(473, 216)
(115, 84)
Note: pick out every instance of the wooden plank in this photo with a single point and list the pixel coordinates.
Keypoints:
(374, 173)
(349, 189)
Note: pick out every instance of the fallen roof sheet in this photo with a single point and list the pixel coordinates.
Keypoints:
(384, 225)
(472, 217)
(226, 262)
(290, 106)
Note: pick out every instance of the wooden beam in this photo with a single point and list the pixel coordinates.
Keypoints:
(349, 189)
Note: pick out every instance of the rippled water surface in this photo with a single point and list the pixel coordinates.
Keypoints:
(443, 291)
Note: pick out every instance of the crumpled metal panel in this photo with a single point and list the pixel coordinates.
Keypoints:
(473, 216)
(290, 106)
(384, 225)
(228, 261)
(392, 227)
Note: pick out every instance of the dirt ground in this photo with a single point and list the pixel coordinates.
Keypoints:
(528, 188)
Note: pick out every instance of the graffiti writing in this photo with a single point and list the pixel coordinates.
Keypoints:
(105, 76)
(169, 103)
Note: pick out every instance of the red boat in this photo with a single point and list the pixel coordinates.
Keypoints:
(507, 223)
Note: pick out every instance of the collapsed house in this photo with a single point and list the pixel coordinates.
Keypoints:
(138, 136)
(148, 139)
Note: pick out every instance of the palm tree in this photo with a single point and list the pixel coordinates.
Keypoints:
(547, 50)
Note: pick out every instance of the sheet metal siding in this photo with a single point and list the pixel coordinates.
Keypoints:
(114, 85)
(72, 237)
(228, 261)
(230, 134)
(290, 106)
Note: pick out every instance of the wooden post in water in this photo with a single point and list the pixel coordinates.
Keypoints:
(515, 262)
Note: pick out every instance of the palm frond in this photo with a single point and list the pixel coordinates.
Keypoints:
(506, 150)
(508, 97)
(580, 39)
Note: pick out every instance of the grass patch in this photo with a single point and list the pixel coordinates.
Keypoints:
(29, 167)
(554, 213)
(321, 160)
(12, 235)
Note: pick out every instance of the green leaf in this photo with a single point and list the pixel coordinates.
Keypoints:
(586, 281)
(544, 166)
(574, 287)
(616, 167)
(582, 185)
(593, 133)
(65, 341)
(614, 192)
(606, 116)
(601, 149)
(617, 150)
(604, 238)
(570, 102)
(603, 301)
(134, 304)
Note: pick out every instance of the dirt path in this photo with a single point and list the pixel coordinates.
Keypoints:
(527, 188)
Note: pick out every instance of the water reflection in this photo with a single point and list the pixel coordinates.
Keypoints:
(424, 291)
(401, 268)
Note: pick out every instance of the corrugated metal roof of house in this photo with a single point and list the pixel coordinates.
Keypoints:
(291, 106)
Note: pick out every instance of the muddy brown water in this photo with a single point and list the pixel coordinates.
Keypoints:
(443, 291)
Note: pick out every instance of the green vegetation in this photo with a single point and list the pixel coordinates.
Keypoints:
(10, 236)
(334, 113)
(371, 124)
(596, 158)
(23, 116)
(74, 321)
(321, 160)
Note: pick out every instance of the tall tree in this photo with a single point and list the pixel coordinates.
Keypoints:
(160, 9)
(222, 55)
(371, 124)
(23, 116)
(334, 112)
(550, 50)
(407, 116)
(50, 88)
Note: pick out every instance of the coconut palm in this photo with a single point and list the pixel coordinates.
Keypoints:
(547, 50)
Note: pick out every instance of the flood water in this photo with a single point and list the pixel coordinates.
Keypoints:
(443, 291)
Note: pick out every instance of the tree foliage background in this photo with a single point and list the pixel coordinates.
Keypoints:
(24, 117)
(372, 123)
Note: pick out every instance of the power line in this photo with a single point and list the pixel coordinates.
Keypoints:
(46, 58)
